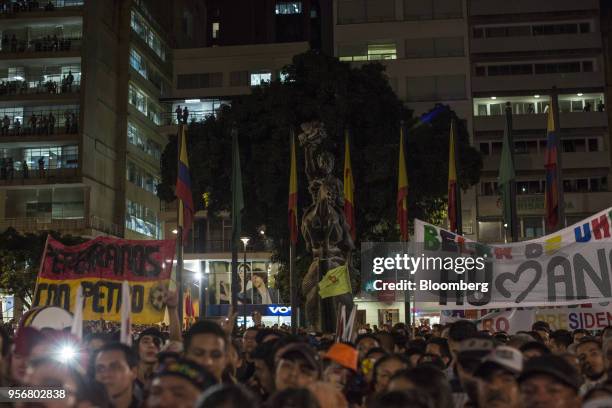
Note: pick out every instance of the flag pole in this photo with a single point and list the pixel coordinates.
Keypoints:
(513, 226)
(407, 293)
(555, 110)
(292, 246)
(458, 215)
(179, 234)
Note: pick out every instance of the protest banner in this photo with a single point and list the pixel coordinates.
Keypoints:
(571, 266)
(589, 317)
(100, 266)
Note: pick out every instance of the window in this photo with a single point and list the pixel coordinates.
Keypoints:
(351, 11)
(239, 78)
(443, 9)
(585, 28)
(137, 62)
(484, 148)
(137, 138)
(434, 47)
(138, 99)
(449, 87)
(480, 71)
(587, 66)
(593, 144)
(146, 33)
(141, 178)
(488, 188)
(382, 51)
(294, 7)
(142, 219)
(477, 32)
(259, 78)
(532, 227)
(215, 30)
(432, 9)
(555, 29)
(54, 157)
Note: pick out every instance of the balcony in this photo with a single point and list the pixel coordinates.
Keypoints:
(535, 83)
(31, 90)
(538, 121)
(493, 7)
(535, 43)
(47, 174)
(533, 204)
(533, 161)
(77, 226)
(15, 48)
(16, 9)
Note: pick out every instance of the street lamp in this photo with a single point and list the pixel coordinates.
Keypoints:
(245, 241)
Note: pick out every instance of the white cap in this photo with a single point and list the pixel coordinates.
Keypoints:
(505, 357)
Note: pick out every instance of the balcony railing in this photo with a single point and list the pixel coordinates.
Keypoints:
(37, 224)
(171, 118)
(64, 170)
(10, 8)
(40, 122)
(14, 45)
(16, 88)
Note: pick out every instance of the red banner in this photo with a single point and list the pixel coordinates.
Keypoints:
(99, 266)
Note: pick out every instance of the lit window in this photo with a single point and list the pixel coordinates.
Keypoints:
(259, 78)
(382, 51)
(294, 7)
(215, 30)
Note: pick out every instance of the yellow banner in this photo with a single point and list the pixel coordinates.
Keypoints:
(103, 298)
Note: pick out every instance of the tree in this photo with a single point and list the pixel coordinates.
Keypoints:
(341, 96)
(20, 256)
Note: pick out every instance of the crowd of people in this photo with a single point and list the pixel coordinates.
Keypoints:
(20, 87)
(40, 124)
(214, 364)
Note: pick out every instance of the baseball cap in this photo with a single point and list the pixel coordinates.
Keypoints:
(299, 350)
(192, 372)
(554, 366)
(505, 357)
(344, 355)
(476, 347)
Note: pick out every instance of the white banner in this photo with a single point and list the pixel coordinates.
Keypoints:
(589, 317)
(572, 266)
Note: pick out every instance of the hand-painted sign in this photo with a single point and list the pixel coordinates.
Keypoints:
(571, 266)
(100, 266)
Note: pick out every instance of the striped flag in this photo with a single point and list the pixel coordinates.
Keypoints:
(402, 191)
(551, 195)
(183, 187)
(349, 188)
(452, 182)
(293, 222)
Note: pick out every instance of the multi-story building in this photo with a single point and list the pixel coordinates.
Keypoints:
(519, 51)
(79, 103)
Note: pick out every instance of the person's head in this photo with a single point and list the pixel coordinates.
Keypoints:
(543, 329)
(579, 333)
(47, 372)
(115, 366)
(534, 349)
(227, 396)
(263, 360)
(365, 343)
(259, 280)
(439, 347)
(413, 355)
(92, 394)
(459, 331)
(249, 340)
(293, 398)
(549, 381)
(296, 365)
(426, 378)
(206, 344)
(340, 365)
(179, 384)
(148, 344)
(470, 353)
(385, 368)
(497, 378)
(436, 330)
(386, 341)
(26, 339)
(560, 340)
(592, 363)
(401, 399)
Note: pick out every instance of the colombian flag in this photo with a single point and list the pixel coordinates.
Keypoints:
(402, 191)
(293, 223)
(452, 182)
(183, 187)
(349, 187)
(551, 195)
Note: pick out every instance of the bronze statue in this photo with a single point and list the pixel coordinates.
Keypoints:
(324, 228)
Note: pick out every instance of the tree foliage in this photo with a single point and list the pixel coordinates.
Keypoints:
(20, 256)
(318, 87)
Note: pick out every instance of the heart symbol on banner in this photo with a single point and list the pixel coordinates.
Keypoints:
(516, 277)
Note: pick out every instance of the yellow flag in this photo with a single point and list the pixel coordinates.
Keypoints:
(335, 282)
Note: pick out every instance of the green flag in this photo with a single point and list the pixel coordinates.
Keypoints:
(335, 282)
(507, 175)
(237, 197)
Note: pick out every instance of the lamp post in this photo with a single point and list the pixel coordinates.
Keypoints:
(245, 241)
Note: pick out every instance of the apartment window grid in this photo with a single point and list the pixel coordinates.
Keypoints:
(538, 146)
(528, 30)
(148, 35)
(144, 104)
(137, 138)
(367, 52)
(141, 178)
(293, 7)
(141, 219)
(260, 78)
(361, 11)
(536, 68)
(539, 104)
(533, 187)
(54, 157)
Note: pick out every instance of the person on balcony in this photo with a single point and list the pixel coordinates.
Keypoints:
(25, 171)
(41, 167)
(17, 126)
(6, 122)
(185, 115)
(69, 80)
(179, 114)
(51, 123)
(33, 122)
(10, 168)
